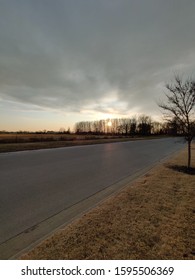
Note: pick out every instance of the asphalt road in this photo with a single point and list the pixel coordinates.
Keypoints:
(35, 185)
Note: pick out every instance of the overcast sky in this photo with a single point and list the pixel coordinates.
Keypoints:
(63, 61)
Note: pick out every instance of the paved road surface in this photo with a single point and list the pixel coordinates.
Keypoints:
(35, 185)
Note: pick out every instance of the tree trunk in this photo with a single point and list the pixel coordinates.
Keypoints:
(189, 154)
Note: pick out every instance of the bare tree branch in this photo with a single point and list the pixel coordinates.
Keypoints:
(180, 105)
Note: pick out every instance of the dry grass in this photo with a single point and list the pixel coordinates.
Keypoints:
(12, 142)
(22, 142)
(45, 137)
(153, 218)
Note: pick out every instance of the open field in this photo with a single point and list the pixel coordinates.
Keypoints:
(12, 142)
(13, 147)
(153, 218)
(6, 138)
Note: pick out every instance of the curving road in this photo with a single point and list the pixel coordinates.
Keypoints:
(36, 185)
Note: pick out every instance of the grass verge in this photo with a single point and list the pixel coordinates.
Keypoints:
(153, 218)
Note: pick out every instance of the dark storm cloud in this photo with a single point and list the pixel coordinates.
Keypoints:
(71, 54)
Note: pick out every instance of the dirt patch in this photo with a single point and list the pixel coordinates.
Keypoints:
(153, 218)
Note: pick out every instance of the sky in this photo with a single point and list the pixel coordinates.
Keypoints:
(66, 61)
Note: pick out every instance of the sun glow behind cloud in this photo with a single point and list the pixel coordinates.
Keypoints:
(108, 107)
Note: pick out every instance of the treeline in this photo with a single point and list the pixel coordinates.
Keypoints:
(142, 125)
(61, 131)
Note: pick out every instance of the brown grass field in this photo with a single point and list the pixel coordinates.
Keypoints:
(6, 138)
(12, 142)
(152, 218)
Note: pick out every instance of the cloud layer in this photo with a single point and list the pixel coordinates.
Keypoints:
(104, 56)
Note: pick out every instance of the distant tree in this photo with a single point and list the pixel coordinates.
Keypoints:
(157, 128)
(180, 105)
(62, 130)
(68, 131)
(144, 125)
(133, 126)
(174, 127)
(125, 126)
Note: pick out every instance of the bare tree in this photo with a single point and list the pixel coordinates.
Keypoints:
(180, 105)
(144, 125)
